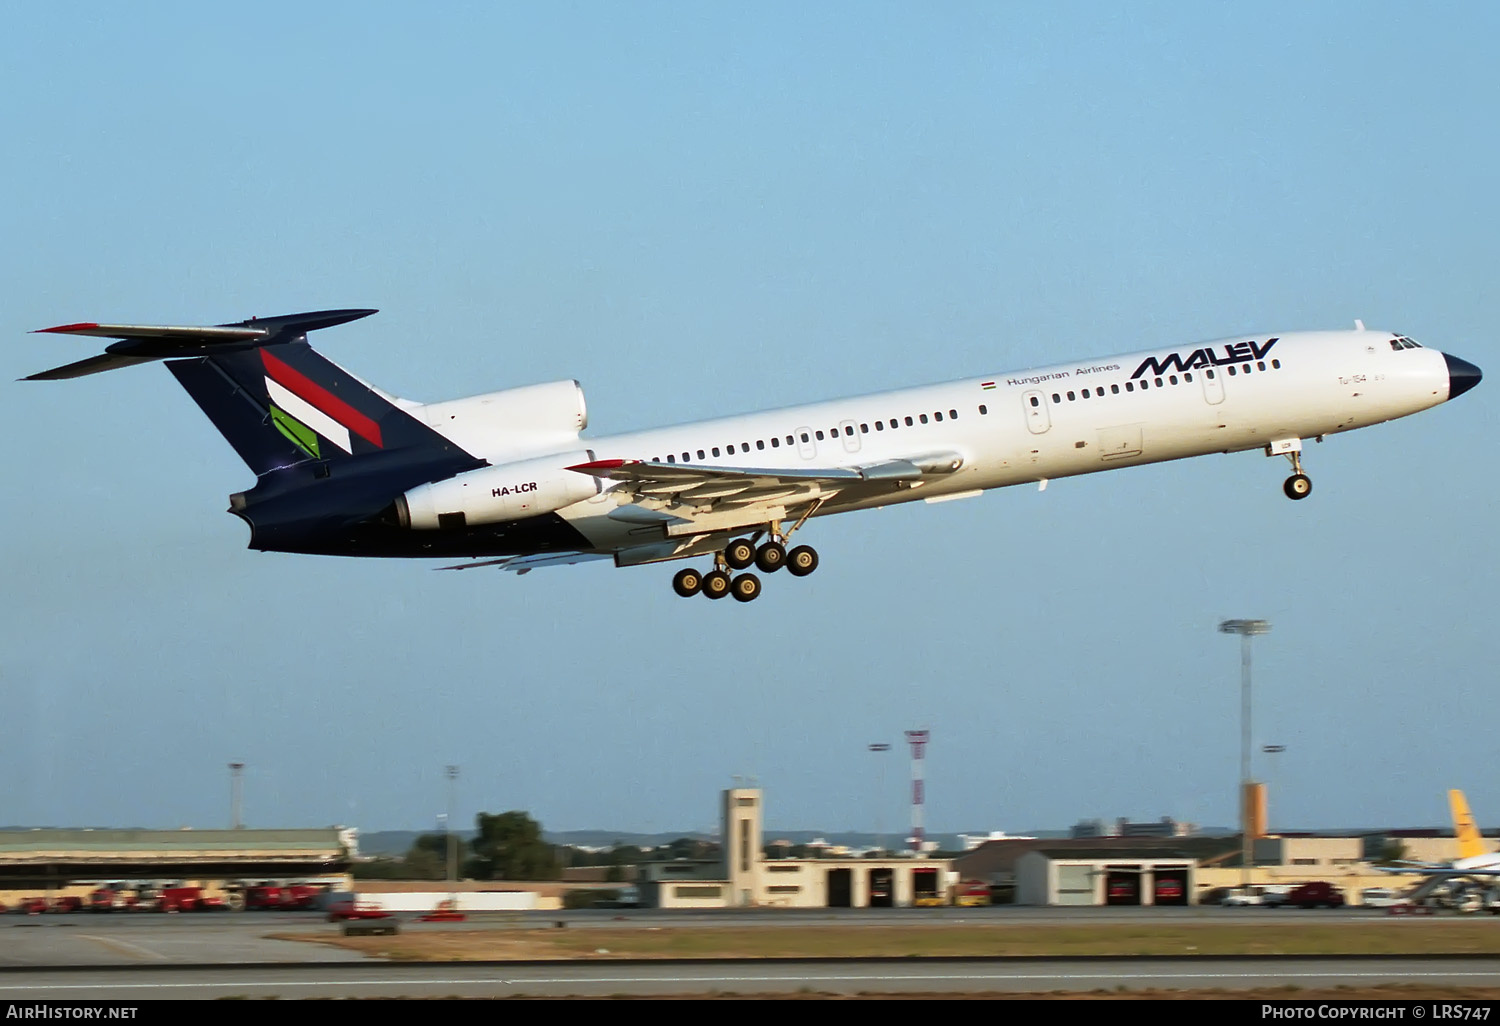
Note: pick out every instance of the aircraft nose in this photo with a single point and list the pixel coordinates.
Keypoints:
(1462, 376)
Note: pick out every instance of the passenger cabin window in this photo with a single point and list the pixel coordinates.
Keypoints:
(983, 409)
(880, 425)
(776, 443)
(864, 429)
(716, 450)
(730, 450)
(923, 418)
(849, 430)
(701, 455)
(894, 424)
(820, 436)
(760, 443)
(908, 422)
(952, 414)
(938, 416)
(804, 436)
(671, 458)
(1034, 402)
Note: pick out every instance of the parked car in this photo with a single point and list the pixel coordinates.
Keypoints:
(1243, 896)
(1380, 897)
(1275, 895)
(1316, 894)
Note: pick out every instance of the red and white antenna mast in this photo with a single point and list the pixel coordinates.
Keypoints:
(918, 741)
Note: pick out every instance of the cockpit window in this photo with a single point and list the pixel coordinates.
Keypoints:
(1402, 342)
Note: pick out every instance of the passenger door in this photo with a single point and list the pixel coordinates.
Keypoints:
(1038, 420)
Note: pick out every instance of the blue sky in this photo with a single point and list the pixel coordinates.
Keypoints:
(697, 209)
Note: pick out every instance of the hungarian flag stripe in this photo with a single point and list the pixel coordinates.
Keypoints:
(320, 399)
(309, 415)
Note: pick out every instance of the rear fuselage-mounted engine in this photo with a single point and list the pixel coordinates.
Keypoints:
(494, 495)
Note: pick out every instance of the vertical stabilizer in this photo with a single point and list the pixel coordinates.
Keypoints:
(1470, 842)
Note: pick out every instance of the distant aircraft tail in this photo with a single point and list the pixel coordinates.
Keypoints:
(1470, 841)
(277, 401)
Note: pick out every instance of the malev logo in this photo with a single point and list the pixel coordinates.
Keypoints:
(1237, 352)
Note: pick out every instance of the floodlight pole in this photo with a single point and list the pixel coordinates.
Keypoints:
(452, 774)
(1246, 629)
(236, 770)
(880, 746)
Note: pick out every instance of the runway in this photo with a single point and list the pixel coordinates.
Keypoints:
(155, 957)
(833, 976)
(87, 939)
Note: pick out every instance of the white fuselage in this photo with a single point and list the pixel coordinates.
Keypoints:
(1062, 420)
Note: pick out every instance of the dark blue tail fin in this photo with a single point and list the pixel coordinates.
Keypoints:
(277, 401)
(283, 404)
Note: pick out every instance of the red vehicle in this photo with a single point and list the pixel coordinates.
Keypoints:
(67, 903)
(1317, 894)
(179, 899)
(349, 910)
(290, 898)
(262, 896)
(1169, 889)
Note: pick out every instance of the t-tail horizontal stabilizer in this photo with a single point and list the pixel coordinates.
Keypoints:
(142, 343)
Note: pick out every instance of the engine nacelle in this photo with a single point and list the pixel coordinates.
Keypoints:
(492, 495)
(517, 422)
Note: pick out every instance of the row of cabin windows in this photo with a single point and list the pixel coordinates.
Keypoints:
(1171, 379)
(847, 430)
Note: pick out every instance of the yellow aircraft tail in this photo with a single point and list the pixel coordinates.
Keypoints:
(1470, 842)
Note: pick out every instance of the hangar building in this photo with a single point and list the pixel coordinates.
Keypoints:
(56, 862)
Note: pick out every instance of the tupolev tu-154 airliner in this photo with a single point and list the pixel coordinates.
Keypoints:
(343, 468)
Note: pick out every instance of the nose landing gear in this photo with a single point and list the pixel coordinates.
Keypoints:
(1299, 485)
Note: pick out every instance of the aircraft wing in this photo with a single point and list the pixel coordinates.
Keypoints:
(697, 499)
(525, 564)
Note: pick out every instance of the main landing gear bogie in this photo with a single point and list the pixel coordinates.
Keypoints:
(739, 554)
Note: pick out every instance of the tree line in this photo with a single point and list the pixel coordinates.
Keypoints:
(510, 846)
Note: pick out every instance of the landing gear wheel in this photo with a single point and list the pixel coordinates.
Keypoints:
(687, 583)
(716, 584)
(1298, 486)
(770, 557)
(746, 587)
(802, 560)
(739, 554)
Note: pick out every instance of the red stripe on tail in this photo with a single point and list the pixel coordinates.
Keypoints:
(309, 391)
